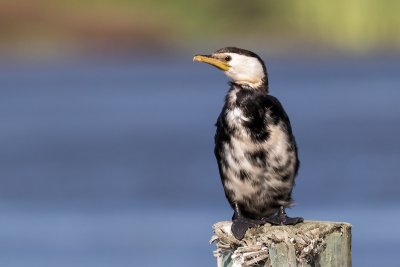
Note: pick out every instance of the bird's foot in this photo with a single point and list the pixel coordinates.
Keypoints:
(241, 224)
(281, 218)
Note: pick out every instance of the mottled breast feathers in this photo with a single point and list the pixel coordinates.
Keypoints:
(256, 152)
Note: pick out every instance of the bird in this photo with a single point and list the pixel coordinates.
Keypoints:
(255, 148)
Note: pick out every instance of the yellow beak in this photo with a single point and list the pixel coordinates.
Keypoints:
(212, 61)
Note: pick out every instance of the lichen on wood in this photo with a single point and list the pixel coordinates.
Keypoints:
(304, 244)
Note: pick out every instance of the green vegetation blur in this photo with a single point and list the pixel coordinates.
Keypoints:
(63, 26)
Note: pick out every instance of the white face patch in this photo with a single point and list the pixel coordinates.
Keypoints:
(245, 69)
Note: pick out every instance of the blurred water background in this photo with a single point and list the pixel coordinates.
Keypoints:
(106, 140)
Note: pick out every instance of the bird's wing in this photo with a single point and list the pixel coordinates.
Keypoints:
(278, 114)
(276, 111)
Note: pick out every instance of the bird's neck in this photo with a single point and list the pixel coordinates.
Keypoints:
(259, 85)
(238, 92)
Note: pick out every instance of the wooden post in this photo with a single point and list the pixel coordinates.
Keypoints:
(307, 244)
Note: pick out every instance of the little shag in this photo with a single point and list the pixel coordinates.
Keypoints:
(254, 144)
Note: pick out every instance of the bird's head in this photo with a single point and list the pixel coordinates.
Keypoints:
(242, 66)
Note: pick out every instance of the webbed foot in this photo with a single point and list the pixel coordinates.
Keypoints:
(281, 218)
(241, 224)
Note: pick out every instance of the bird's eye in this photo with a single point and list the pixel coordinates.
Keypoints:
(228, 58)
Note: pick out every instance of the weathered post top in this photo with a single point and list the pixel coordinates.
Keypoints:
(311, 243)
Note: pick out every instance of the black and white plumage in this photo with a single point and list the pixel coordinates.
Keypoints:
(254, 144)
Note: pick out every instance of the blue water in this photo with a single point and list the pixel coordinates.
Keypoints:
(110, 162)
